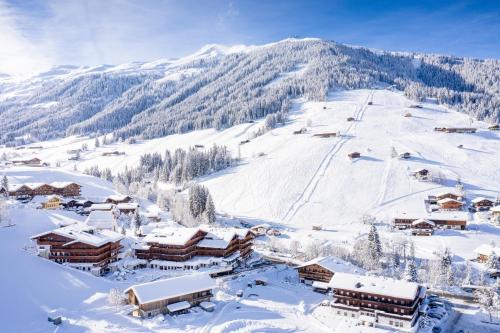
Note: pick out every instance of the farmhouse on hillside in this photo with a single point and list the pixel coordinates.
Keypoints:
(481, 203)
(377, 301)
(450, 204)
(30, 162)
(484, 251)
(80, 246)
(422, 227)
(444, 220)
(170, 295)
(117, 199)
(322, 269)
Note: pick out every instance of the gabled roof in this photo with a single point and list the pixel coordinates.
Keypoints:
(447, 200)
(173, 287)
(81, 233)
(334, 265)
(375, 285)
(128, 205)
(172, 236)
(441, 194)
(479, 199)
(419, 221)
(102, 206)
(118, 197)
(101, 219)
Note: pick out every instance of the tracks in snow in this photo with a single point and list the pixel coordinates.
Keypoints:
(312, 184)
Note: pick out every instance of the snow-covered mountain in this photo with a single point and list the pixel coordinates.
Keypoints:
(221, 86)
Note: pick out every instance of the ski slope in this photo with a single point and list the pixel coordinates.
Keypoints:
(294, 181)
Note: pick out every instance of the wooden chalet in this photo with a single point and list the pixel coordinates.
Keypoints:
(422, 174)
(481, 203)
(484, 251)
(448, 195)
(80, 246)
(443, 220)
(322, 269)
(117, 199)
(377, 301)
(354, 155)
(455, 129)
(127, 208)
(422, 227)
(325, 135)
(190, 245)
(53, 202)
(495, 212)
(405, 155)
(113, 153)
(171, 295)
(65, 189)
(450, 204)
(260, 230)
(30, 162)
(494, 127)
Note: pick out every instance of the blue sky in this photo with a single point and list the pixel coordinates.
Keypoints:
(38, 34)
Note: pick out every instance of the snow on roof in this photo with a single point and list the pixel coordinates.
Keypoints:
(101, 219)
(375, 285)
(487, 249)
(419, 221)
(172, 287)
(445, 200)
(219, 238)
(438, 215)
(320, 285)
(495, 209)
(173, 236)
(334, 264)
(441, 194)
(101, 206)
(479, 199)
(117, 197)
(179, 306)
(62, 184)
(128, 205)
(81, 233)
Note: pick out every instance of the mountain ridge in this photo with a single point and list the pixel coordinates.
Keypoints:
(220, 86)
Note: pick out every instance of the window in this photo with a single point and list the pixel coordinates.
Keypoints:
(391, 322)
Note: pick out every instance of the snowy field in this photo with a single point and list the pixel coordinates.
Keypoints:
(291, 181)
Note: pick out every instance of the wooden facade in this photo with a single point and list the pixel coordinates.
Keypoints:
(68, 190)
(383, 310)
(192, 248)
(443, 223)
(450, 204)
(483, 204)
(62, 249)
(52, 203)
(152, 308)
(314, 272)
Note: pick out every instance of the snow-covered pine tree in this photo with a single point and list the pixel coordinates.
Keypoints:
(468, 277)
(96, 143)
(493, 262)
(137, 220)
(5, 185)
(411, 271)
(210, 210)
(374, 246)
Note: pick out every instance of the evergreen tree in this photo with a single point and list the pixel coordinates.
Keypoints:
(5, 185)
(468, 278)
(96, 143)
(493, 262)
(374, 246)
(137, 220)
(210, 210)
(411, 271)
